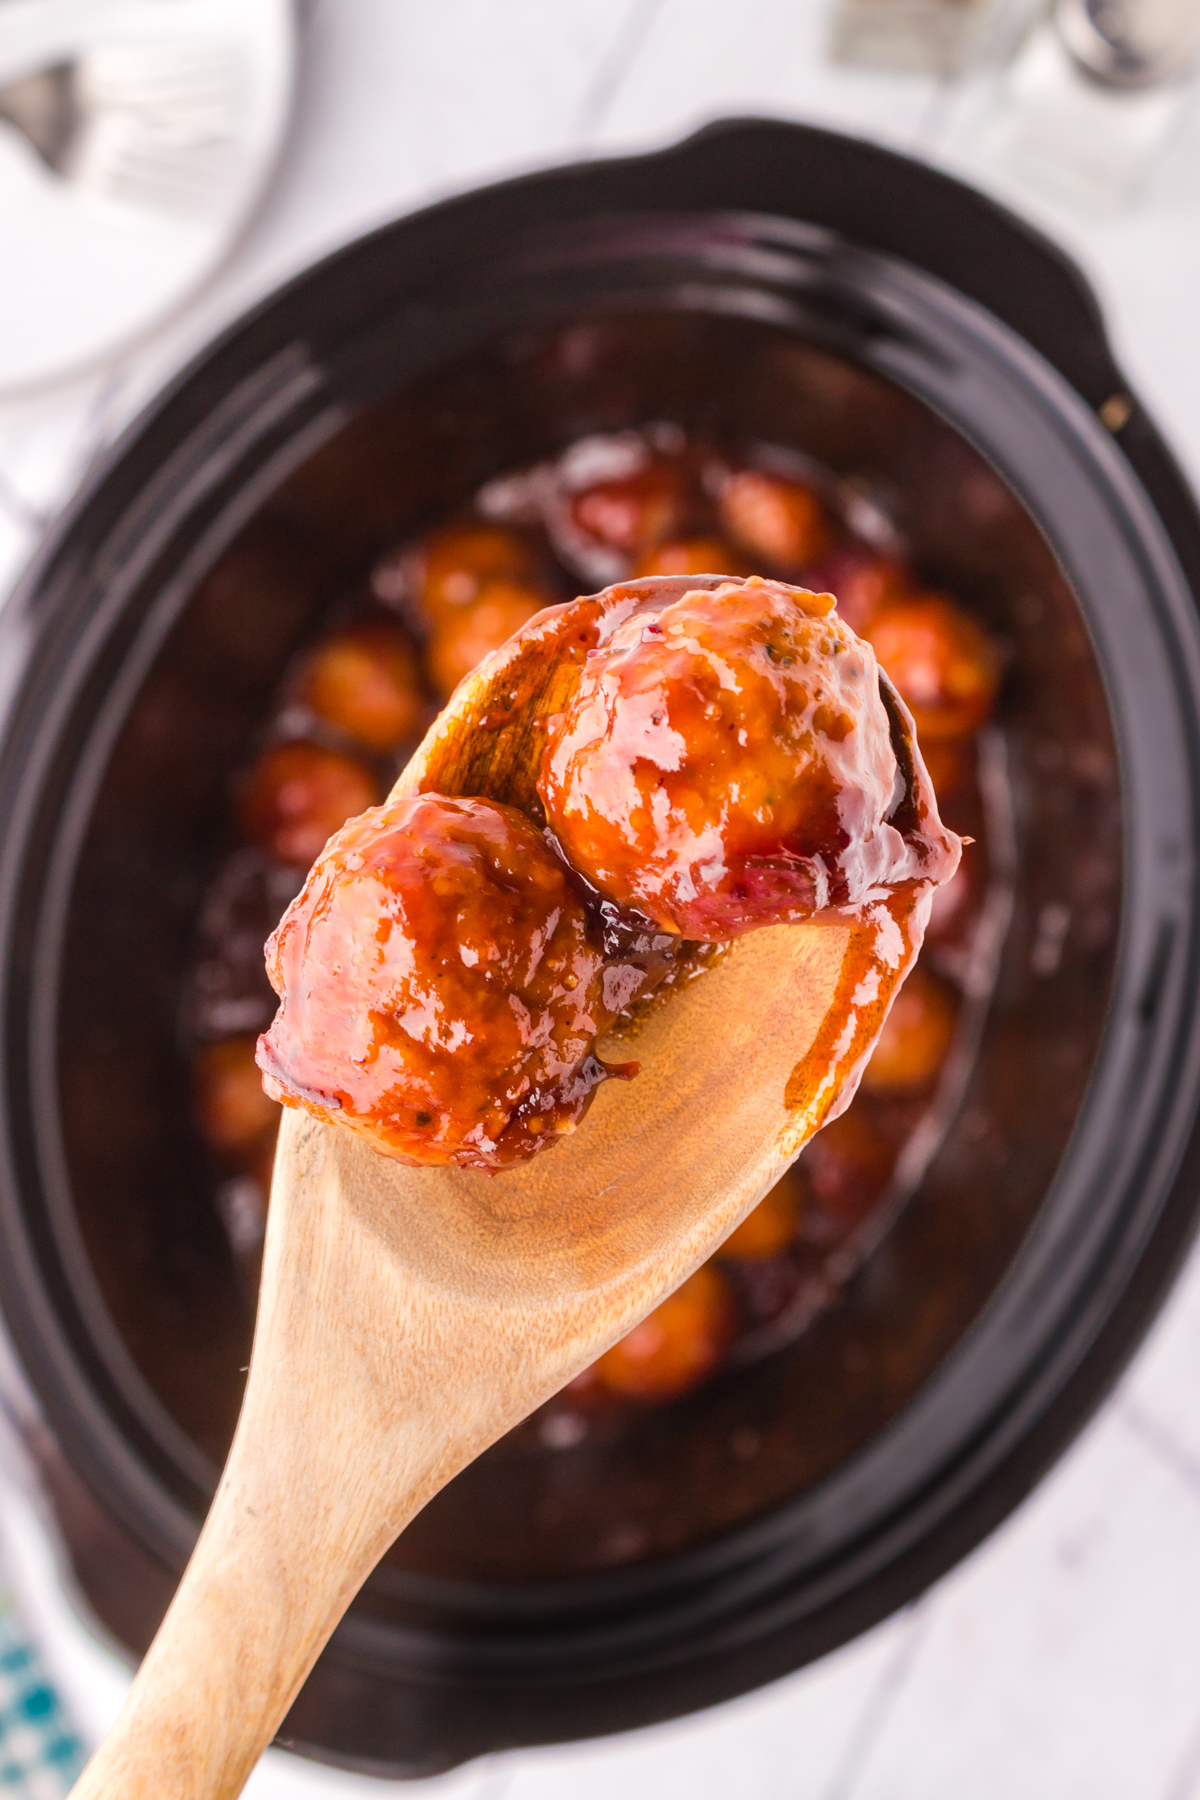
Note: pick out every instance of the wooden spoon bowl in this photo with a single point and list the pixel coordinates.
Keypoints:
(408, 1317)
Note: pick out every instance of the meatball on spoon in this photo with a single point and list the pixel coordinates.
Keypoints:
(410, 1315)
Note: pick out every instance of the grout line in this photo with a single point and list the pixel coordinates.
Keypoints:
(878, 1707)
(1159, 1439)
(614, 67)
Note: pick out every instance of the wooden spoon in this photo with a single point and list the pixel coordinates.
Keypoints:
(409, 1317)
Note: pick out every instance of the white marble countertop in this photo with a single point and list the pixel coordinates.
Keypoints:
(1061, 1660)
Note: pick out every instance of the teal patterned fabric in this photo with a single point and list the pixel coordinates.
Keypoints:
(40, 1756)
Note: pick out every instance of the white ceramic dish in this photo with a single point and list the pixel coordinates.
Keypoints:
(182, 108)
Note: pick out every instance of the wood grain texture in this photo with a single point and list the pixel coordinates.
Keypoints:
(409, 1317)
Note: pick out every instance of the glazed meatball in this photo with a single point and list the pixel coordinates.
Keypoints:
(692, 556)
(779, 523)
(473, 585)
(631, 513)
(466, 636)
(439, 991)
(771, 1227)
(233, 1112)
(366, 682)
(942, 663)
(452, 568)
(676, 1346)
(916, 1035)
(726, 763)
(299, 794)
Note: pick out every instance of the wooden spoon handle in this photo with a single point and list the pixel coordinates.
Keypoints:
(408, 1318)
(345, 1432)
(245, 1627)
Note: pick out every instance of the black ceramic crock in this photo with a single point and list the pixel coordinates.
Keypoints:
(765, 279)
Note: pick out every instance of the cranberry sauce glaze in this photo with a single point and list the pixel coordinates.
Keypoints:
(723, 759)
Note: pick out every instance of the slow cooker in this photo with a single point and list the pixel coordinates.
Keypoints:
(761, 281)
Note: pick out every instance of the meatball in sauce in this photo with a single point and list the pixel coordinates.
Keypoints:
(440, 988)
(454, 568)
(676, 1346)
(299, 794)
(692, 556)
(659, 504)
(464, 638)
(727, 764)
(941, 662)
(775, 520)
(234, 1113)
(915, 1038)
(633, 512)
(366, 682)
(445, 972)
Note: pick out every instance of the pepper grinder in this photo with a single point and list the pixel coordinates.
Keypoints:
(1092, 97)
(1131, 43)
